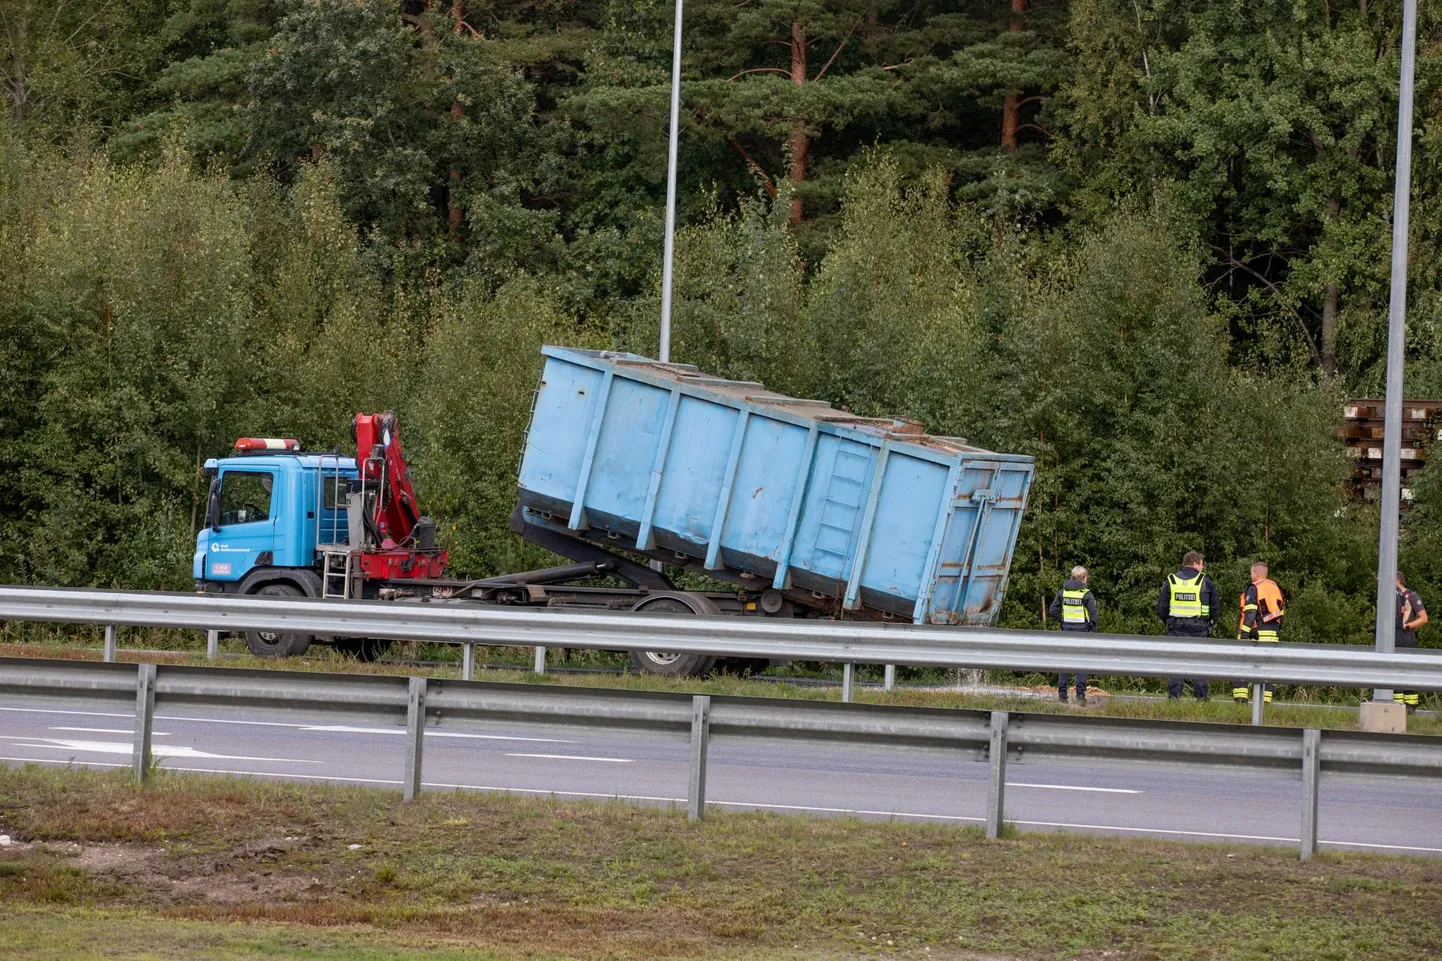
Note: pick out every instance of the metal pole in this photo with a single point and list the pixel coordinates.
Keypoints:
(1257, 698)
(1396, 342)
(668, 259)
(1311, 777)
(996, 774)
(415, 737)
(889, 683)
(700, 741)
(212, 645)
(468, 661)
(144, 722)
(848, 682)
(540, 666)
(110, 643)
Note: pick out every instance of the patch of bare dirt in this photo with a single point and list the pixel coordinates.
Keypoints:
(159, 878)
(113, 859)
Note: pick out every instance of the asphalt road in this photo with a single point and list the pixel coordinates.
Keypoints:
(1380, 814)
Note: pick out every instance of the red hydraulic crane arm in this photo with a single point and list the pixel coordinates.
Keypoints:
(382, 464)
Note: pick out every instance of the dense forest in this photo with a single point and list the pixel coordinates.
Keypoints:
(1144, 241)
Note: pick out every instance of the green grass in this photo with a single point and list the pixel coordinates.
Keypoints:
(238, 868)
(83, 935)
(1220, 709)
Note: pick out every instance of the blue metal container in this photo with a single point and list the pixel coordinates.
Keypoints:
(769, 490)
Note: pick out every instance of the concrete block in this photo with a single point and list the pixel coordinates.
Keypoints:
(1383, 718)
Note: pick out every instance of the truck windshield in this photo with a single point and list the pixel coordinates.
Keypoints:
(245, 497)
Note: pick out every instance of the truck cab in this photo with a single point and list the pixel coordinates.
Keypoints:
(272, 516)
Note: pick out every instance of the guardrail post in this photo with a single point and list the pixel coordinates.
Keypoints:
(144, 722)
(110, 643)
(700, 741)
(1311, 779)
(848, 682)
(540, 660)
(415, 737)
(996, 774)
(212, 645)
(1257, 690)
(889, 683)
(468, 661)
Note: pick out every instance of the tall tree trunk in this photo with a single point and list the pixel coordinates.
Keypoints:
(1329, 305)
(1011, 105)
(19, 90)
(453, 191)
(800, 141)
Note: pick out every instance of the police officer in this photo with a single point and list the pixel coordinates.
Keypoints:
(1076, 608)
(1411, 614)
(1262, 613)
(1188, 605)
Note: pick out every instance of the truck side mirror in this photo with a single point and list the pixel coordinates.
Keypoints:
(212, 506)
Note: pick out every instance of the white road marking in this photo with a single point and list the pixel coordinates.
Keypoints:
(339, 728)
(159, 750)
(106, 730)
(808, 807)
(576, 757)
(749, 804)
(1073, 787)
(41, 710)
(69, 762)
(344, 729)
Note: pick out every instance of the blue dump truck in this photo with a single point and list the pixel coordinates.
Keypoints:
(795, 508)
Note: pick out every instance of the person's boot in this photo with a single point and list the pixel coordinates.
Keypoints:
(1061, 696)
(1081, 699)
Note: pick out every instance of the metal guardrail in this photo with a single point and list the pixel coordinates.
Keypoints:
(996, 737)
(844, 642)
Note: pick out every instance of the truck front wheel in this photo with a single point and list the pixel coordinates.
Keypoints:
(278, 643)
(665, 662)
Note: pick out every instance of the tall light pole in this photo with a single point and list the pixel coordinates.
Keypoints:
(669, 257)
(1396, 342)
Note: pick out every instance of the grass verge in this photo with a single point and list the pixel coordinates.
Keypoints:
(202, 867)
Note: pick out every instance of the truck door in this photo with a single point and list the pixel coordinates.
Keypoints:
(244, 532)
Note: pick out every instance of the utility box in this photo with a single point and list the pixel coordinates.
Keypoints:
(837, 512)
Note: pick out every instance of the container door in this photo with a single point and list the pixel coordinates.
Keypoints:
(978, 544)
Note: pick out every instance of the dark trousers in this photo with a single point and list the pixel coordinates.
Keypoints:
(1188, 628)
(1081, 684)
(1242, 690)
(1409, 698)
(1199, 687)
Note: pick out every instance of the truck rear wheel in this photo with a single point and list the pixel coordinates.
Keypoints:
(665, 662)
(278, 643)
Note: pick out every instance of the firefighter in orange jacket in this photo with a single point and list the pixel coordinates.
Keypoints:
(1262, 612)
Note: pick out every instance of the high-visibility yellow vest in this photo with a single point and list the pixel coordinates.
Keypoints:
(1186, 600)
(1073, 607)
